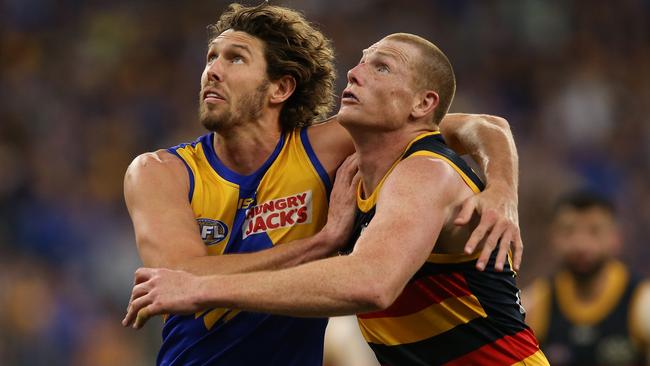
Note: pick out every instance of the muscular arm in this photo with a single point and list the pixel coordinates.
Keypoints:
(369, 279)
(489, 141)
(156, 188)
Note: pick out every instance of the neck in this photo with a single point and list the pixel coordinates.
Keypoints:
(244, 148)
(378, 150)
(590, 287)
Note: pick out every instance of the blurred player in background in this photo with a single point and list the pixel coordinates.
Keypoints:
(419, 296)
(593, 311)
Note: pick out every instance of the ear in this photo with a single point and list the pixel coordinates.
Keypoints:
(424, 104)
(282, 89)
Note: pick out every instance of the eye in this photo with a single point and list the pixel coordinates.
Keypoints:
(237, 60)
(211, 57)
(383, 68)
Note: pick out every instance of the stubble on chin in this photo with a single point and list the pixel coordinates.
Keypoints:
(249, 108)
(210, 120)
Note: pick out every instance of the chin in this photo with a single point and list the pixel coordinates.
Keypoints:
(211, 122)
(350, 118)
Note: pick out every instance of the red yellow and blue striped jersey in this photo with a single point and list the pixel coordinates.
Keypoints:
(284, 200)
(449, 313)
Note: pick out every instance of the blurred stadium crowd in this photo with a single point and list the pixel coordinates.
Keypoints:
(85, 86)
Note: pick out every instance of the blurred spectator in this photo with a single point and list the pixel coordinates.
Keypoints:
(594, 311)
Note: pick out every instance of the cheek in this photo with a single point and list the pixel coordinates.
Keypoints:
(396, 103)
(204, 76)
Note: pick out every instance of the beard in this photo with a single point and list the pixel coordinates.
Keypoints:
(586, 274)
(248, 109)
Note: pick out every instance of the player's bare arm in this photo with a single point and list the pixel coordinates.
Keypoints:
(489, 141)
(156, 188)
(417, 200)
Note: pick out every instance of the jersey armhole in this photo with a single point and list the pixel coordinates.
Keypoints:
(473, 183)
(190, 173)
(304, 139)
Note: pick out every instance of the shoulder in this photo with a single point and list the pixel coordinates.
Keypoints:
(535, 294)
(160, 160)
(425, 176)
(640, 317)
(156, 168)
(536, 299)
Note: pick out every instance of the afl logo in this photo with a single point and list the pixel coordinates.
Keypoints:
(212, 231)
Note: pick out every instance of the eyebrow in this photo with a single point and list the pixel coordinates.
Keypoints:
(385, 54)
(235, 45)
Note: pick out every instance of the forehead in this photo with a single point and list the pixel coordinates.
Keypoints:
(402, 52)
(590, 215)
(235, 38)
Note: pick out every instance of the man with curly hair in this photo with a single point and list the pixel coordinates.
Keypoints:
(263, 176)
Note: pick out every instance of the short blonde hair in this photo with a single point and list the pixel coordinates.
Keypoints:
(432, 72)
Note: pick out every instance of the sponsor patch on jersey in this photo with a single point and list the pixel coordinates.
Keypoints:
(212, 231)
(278, 214)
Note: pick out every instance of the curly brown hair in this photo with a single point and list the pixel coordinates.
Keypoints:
(293, 47)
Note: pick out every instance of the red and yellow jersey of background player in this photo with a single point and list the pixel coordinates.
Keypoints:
(285, 200)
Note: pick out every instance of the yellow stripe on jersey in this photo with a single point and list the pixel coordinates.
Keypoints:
(452, 258)
(426, 323)
(536, 359)
(365, 204)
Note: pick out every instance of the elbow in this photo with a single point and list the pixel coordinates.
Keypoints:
(499, 122)
(378, 296)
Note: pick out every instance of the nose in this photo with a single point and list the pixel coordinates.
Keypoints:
(214, 70)
(354, 76)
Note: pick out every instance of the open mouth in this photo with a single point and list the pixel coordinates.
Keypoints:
(348, 96)
(212, 95)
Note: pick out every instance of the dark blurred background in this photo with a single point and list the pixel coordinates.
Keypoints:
(85, 86)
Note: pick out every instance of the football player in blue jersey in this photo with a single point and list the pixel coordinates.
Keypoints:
(268, 76)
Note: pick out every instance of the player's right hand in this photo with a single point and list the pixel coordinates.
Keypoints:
(342, 205)
(159, 291)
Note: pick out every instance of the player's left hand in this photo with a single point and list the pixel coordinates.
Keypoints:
(499, 226)
(159, 291)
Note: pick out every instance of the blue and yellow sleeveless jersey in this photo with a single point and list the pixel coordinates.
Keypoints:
(284, 200)
(449, 313)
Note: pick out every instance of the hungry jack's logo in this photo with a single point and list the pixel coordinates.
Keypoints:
(277, 214)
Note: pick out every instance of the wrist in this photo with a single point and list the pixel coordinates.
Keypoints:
(204, 297)
(508, 189)
(330, 238)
